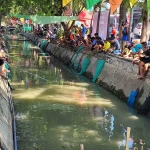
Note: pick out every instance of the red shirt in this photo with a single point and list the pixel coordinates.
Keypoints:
(114, 32)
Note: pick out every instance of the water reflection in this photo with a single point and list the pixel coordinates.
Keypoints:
(56, 109)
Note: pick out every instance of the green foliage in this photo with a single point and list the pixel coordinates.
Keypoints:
(31, 7)
(143, 5)
(59, 34)
(78, 5)
(5, 6)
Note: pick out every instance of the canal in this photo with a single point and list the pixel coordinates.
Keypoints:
(58, 109)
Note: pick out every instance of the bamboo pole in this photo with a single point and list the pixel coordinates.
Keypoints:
(128, 136)
(81, 147)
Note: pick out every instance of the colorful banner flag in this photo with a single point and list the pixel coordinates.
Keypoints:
(103, 24)
(94, 23)
(65, 2)
(114, 4)
(85, 17)
(132, 3)
(91, 3)
(22, 20)
(148, 6)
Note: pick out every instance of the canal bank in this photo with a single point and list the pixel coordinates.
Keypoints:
(58, 109)
(118, 75)
(6, 117)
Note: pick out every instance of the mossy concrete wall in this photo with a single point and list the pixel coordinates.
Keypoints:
(118, 75)
(6, 128)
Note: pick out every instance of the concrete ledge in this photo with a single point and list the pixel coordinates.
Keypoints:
(6, 128)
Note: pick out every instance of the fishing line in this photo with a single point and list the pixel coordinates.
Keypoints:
(27, 71)
(30, 73)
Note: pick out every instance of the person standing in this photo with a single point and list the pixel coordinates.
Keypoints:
(124, 34)
(84, 30)
(114, 32)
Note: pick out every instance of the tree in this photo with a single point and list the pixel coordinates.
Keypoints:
(5, 8)
(77, 7)
(44, 7)
(99, 14)
(122, 17)
(145, 19)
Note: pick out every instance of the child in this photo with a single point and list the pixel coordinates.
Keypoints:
(126, 52)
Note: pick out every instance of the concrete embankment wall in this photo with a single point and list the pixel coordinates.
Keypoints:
(6, 127)
(118, 74)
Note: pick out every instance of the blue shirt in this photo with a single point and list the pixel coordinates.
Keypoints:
(94, 42)
(137, 48)
(84, 30)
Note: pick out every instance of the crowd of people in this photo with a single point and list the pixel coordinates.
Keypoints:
(3, 58)
(138, 52)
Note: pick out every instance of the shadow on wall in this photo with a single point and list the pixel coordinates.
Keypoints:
(145, 108)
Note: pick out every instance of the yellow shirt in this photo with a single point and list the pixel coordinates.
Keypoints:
(126, 51)
(77, 31)
(106, 45)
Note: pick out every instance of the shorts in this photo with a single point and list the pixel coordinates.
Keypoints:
(145, 60)
(125, 38)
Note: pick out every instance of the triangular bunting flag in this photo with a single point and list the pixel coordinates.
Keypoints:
(114, 4)
(132, 3)
(65, 2)
(90, 3)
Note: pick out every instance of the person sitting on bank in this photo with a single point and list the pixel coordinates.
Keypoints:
(144, 63)
(113, 46)
(97, 36)
(3, 70)
(137, 57)
(116, 40)
(106, 45)
(126, 52)
(93, 41)
(137, 47)
(99, 44)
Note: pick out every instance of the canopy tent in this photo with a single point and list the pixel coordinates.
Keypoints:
(47, 19)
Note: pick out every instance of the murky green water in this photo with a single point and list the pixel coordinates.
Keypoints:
(57, 109)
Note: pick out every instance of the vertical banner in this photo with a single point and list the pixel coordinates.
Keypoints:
(148, 6)
(94, 23)
(115, 19)
(103, 24)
